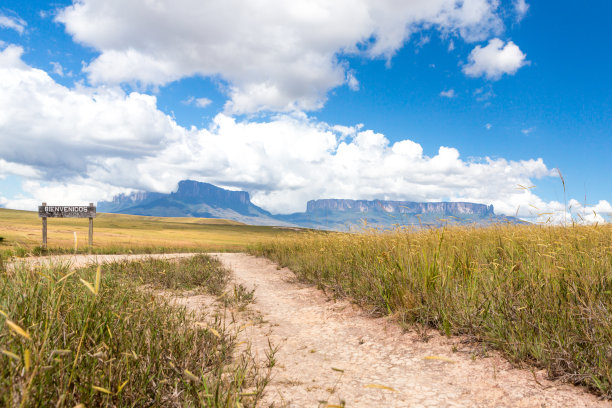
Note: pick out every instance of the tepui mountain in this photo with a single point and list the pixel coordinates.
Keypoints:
(198, 199)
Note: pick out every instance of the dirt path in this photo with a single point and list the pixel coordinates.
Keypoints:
(330, 353)
(84, 259)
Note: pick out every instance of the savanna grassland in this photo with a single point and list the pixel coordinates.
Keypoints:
(99, 336)
(540, 294)
(20, 234)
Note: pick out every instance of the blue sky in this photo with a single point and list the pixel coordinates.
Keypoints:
(434, 100)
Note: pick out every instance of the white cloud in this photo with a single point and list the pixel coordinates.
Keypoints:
(352, 82)
(448, 94)
(57, 68)
(202, 102)
(10, 57)
(85, 144)
(292, 159)
(16, 169)
(275, 55)
(199, 102)
(520, 8)
(59, 130)
(494, 60)
(590, 214)
(484, 94)
(528, 130)
(79, 191)
(13, 23)
(573, 211)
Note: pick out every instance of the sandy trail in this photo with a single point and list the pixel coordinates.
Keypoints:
(319, 337)
(79, 260)
(331, 352)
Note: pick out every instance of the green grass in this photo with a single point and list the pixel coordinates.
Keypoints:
(100, 339)
(119, 233)
(542, 295)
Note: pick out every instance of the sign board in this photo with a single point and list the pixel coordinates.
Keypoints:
(66, 211)
(70, 211)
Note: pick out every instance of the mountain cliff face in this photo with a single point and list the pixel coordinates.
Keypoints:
(337, 214)
(196, 199)
(192, 199)
(399, 207)
(194, 192)
(123, 201)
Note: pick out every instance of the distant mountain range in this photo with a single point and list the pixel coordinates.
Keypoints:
(196, 199)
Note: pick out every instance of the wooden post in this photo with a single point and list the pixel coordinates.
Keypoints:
(44, 230)
(91, 229)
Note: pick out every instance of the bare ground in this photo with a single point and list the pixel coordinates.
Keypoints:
(331, 353)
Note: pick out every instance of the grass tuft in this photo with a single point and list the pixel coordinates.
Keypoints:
(110, 343)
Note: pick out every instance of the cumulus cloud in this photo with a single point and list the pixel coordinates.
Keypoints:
(520, 8)
(13, 23)
(448, 94)
(573, 212)
(10, 57)
(78, 191)
(590, 214)
(494, 60)
(275, 55)
(93, 143)
(57, 130)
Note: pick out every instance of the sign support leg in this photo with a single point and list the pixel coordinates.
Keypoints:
(44, 230)
(90, 229)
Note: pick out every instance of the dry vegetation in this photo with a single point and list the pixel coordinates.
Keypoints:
(117, 233)
(95, 337)
(541, 294)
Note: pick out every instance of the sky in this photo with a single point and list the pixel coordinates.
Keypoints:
(503, 102)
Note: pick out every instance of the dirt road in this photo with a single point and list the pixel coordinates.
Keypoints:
(332, 354)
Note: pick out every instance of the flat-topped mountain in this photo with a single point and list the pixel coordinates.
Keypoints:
(400, 207)
(197, 199)
(192, 199)
(342, 214)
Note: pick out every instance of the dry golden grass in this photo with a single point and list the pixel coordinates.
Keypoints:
(21, 231)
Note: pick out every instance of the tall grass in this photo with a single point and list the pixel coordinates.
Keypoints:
(95, 337)
(542, 295)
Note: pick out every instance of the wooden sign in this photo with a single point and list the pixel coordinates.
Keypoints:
(66, 211)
